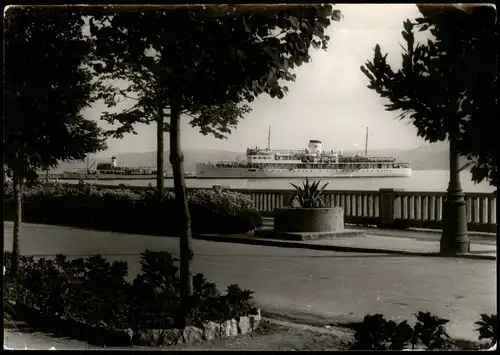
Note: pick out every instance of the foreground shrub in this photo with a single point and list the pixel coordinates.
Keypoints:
(211, 306)
(376, 333)
(488, 328)
(155, 301)
(8, 311)
(146, 211)
(430, 331)
(91, 291)
(94, 291)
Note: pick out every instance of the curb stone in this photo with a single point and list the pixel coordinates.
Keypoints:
(340, 248)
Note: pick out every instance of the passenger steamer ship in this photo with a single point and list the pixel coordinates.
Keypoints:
(312, 162)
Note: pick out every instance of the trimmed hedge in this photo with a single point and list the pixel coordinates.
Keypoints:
(212, 211)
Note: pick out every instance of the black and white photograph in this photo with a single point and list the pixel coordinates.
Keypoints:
(250, 177)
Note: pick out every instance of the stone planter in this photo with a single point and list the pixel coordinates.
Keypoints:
(292, 223)
(103, 335)
(309, 220)
(194, 335)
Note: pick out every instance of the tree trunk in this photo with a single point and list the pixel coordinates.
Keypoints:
(160, 167)
(17, 184)
(186, 250)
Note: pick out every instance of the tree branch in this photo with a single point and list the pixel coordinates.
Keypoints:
(128, 97)
(465, 166)
(188, 114)
(221, 9)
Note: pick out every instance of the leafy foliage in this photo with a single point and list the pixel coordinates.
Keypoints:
(8, 311)
(203, 288)
(94, 291)
(214, 211)
(488, 327)
(222, 211)
(430, 330)
(376, 333)
(204, 64)
(259, 48)
(210, 305)
(47, 86)
(155, 297)
(448, 84)
(309, 195)
(239, 300)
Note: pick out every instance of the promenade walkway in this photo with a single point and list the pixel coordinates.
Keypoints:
(412, 242)
(317, 285)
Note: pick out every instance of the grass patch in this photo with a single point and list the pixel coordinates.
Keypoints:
(277, 337)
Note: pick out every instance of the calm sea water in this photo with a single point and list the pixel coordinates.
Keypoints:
(421, 180)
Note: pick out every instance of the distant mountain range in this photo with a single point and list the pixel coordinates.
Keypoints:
(425, 157)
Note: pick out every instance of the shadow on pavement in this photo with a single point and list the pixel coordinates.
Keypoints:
(350, 255)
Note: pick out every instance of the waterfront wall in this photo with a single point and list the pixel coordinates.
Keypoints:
(385, 208)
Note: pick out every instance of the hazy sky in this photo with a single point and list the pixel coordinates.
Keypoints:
(329, 100)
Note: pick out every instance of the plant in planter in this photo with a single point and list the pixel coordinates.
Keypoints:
(309, 195)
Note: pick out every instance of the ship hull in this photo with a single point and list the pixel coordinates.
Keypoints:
(212, 172)
(72, 176)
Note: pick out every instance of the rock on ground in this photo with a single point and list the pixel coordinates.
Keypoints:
(192, 335)
(152, 337)
(244, 325)
(172, 337)
(229, 328)
(255, 320)
(211, 330)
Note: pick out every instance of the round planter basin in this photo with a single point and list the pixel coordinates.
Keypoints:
(307, 220)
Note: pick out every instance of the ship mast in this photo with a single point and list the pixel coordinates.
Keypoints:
(269, 139)
(366, 142)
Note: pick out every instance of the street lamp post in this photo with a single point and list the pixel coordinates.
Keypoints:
(454, 239)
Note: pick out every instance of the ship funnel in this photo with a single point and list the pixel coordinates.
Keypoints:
(113, 162)
(315, 146)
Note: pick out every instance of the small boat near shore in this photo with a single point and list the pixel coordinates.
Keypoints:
(110, 171)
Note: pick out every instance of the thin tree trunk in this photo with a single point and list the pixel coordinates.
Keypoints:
(160, 166)
(17, 184)
(186, 250)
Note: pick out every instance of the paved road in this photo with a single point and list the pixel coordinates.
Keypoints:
(339, 286)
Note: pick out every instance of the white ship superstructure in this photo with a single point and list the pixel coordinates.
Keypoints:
(312, 162)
